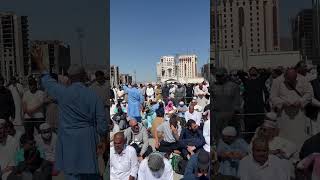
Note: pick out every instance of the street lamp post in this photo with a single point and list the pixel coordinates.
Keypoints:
(81, 35)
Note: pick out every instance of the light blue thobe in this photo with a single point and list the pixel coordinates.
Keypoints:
(230, 167)
(81, 116)
(135, 100)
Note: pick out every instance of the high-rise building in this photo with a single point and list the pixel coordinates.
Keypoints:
(316, 29)
(302, 33)
(205, 71)
(168, 67)
(14, 45)
(115, 76)
(179, 67)
(125, 79)
(187, 66)
(56, 55)
(244, 26)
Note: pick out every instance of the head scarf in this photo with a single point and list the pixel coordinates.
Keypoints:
(169, 107)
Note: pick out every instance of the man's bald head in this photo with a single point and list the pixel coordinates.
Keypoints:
(132, 122)
(119, 135)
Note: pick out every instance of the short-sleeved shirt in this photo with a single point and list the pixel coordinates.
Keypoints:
(33, 100)
(167, 132)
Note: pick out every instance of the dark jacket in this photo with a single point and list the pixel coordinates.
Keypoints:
(7, 104)
(191, 169)
(189, 138)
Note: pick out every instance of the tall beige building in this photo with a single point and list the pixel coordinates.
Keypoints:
(178, 68)
(245, 25)
(167, 67)
(14, 45)
(187, 66)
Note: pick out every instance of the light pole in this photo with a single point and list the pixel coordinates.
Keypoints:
(81, 35)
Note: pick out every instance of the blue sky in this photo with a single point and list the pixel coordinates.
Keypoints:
(58, 19)
(143, 30)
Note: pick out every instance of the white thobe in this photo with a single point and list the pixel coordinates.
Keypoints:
(206, 135)
(7, 154)
(196, 116)
(48, 149)
(144, 172)
(150, 93)
(124, 165)
(274, 168)
(17, 92)
(293, 123)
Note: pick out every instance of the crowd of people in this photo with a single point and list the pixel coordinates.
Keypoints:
(159, 130)
(266, 123)
(53, 125)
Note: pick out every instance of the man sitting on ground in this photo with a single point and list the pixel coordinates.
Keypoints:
(155, 167)
(198, 166)
(137, 137)
(123, 159)
(191, 139)
(171, 131)
(262, 165)
(230, 151)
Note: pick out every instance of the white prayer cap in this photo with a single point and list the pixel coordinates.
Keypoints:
(271, 116)
(44, 126)
(270, 124)
(229, 131)
(181, 103)
(2, 122)
(194, 98)
(76, 69)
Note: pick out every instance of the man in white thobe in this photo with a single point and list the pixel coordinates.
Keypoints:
(123, 159)
(8, 150)
(290, 93)
(150, 92)
(155, 167)
(260, 165)
(17, 93)
(194, 115)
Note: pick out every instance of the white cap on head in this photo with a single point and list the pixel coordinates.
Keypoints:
(229, 131)
(44, 126)
(194, 98)
(181, 103)
(76, 69)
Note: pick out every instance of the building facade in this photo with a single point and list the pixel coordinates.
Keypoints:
(244, 26)
(187, 66)
(316, 30)
(205, 71)
(168, 67)
(125, 79)
(14, 45)
(302, 33)
(179, 68)
(56, 56)
(115, 76)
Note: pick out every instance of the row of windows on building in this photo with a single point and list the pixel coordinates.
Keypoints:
(244, 3)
